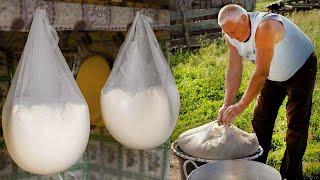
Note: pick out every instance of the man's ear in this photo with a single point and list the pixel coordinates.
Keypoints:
(243, 18)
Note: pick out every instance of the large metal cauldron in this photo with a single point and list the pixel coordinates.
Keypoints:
(235, 170)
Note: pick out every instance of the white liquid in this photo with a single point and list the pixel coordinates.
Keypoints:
(46, 139)
(139, 121)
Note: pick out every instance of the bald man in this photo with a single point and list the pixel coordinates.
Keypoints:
(285, 65)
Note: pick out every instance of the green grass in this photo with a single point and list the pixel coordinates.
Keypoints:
(260, 5)
(200, 79)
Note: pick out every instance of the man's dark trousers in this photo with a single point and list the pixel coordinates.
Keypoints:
(299, 89)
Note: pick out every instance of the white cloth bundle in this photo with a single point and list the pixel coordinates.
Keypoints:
(45, 117)
(214, 142)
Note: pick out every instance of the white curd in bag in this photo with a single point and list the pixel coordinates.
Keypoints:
(46, 139)
(138, 121)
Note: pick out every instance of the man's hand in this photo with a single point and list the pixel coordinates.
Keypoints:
(221, 112)
(231, 113)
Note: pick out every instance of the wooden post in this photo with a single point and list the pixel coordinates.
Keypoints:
(184, 12)
(167, 49)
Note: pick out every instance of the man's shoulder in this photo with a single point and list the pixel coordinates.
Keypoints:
(269, 26)
(267, 32)
(266, 25)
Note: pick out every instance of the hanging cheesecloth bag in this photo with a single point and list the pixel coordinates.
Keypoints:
(140, 100)
(45, 117)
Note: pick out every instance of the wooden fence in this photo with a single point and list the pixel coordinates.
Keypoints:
(193, 20)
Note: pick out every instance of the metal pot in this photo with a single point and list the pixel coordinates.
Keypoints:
(235, 170)
(188, 163)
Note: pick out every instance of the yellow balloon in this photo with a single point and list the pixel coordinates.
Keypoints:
(93, 74)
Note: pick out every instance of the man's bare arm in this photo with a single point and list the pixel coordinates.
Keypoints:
(232, 78)
(269, 32)
(233, 75)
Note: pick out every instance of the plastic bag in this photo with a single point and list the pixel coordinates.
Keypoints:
(140, 101)
(45, 117)
(214, 142)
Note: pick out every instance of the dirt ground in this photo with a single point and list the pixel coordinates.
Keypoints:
(174, 172)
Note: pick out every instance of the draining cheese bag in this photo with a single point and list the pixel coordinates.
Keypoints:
(45, 117)
(140, 101)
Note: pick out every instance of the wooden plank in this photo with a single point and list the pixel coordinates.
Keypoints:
(162, 34)
(194, 13)
(118, 1)
(304, 5)
(65, 23)
(131, 3)
(181, 42)
(204, 25)
(4, 78)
